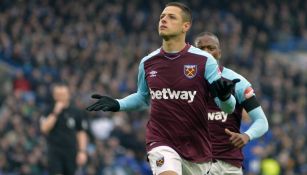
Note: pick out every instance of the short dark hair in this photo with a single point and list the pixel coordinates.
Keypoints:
(59, 83)
(207, 34)
(187, 14)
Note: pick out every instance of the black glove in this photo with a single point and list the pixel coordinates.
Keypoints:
(223, 88)
(104, 103)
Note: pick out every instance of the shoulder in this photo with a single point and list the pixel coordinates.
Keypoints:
(197, 51)
(151, 55)
(230, 75)
(243, 89)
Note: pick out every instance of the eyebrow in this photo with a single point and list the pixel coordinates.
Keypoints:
(170, 14)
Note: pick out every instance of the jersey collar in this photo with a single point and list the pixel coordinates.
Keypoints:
(173, 56)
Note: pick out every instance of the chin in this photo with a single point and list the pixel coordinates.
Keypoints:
(163, 35)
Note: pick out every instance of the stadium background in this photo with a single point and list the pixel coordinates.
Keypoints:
(96, 46)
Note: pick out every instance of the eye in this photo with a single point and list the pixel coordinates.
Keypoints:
(203, 47)
(211, 48)
(172, 17)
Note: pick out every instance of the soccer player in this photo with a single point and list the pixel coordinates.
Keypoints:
(226, 139)
(65, 128)
(173, 79)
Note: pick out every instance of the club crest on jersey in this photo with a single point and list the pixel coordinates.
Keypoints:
(190, 71)
(160, 162)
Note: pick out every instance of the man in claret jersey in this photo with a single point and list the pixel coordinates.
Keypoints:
(173, 80)
(224, 129)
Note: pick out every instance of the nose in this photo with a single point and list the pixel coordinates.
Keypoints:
(163, 21)
(206, 49)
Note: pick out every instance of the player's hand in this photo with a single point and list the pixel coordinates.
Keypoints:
(223, 88)
(237, 139)
(59, 106)
(104, 103)
(81, 158)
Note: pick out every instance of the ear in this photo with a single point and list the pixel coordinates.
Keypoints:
(219, 53)
(186, 26)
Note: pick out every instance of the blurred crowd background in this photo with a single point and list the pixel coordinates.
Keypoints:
(96, 46)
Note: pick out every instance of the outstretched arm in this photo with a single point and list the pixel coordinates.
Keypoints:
(135, 101)
(140, 99)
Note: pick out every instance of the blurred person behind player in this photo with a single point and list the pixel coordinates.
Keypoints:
(226, 139)
(174, 77)
(65, 128)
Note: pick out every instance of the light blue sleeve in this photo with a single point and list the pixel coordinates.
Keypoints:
(140, 99)
(240, 87)
(259, 123)
(227, 106)
(212, 73)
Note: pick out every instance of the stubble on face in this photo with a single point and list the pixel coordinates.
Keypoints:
(209, 44)
(170, 24)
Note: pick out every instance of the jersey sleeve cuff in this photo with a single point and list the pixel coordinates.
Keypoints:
(249, 135)
(229, 105)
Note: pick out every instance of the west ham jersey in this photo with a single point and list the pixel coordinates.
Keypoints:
(175, 85)
(219, 120)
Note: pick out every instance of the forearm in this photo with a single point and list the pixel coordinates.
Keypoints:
(140, 99)
(260, 124)
(228, 105)
(133, 102)
(48, 123)
(82, 140)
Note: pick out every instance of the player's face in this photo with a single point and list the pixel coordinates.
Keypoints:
(61, 93)
(171, 22)
(209, 44)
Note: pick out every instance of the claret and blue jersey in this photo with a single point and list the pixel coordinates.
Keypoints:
(176, 86)
(219, 120)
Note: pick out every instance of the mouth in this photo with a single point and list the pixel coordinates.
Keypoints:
(162, 27)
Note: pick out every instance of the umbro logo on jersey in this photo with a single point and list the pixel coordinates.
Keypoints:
(153, 73)
(167, 93)
(190, 71)
(222, 116)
